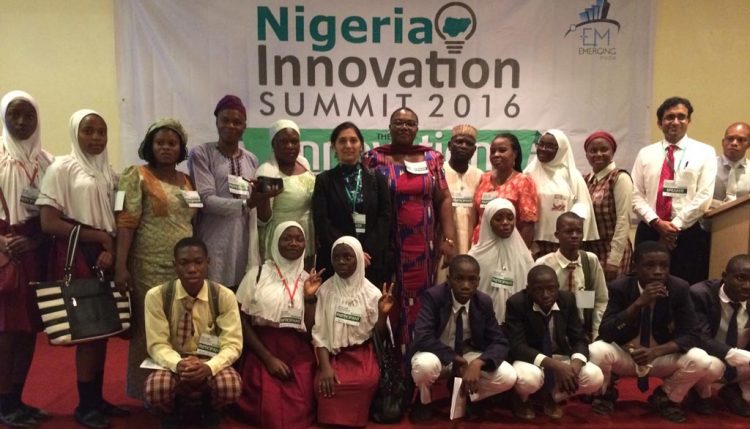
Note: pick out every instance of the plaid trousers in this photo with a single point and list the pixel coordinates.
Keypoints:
(163, 386)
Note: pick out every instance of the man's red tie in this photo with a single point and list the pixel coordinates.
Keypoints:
(664, 204)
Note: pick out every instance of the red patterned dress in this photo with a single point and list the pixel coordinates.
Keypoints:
(414, 230)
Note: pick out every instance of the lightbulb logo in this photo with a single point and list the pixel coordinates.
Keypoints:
(593, 14)
(455, 23)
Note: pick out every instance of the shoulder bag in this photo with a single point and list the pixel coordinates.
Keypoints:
(79, 310)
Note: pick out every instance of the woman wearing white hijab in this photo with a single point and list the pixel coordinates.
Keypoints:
(349, 308)
(277, 302)
(504, 260)
(22, 165)
(560, 187)
(79, 189)
(295, 202)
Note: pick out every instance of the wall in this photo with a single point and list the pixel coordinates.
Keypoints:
(63, 54)
(702, 52)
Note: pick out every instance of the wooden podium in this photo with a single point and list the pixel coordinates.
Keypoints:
(730, 233)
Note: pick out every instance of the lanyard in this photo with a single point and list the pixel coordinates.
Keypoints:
(32, 177)
(286, 286)
(352, 195)
(682, 157)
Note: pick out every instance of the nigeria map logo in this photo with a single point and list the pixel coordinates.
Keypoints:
(593, 14)
(455, 23)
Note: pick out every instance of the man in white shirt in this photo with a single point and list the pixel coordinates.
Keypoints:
(732, 175)
(673, 184)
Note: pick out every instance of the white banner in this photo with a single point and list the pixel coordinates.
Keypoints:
(508, 65)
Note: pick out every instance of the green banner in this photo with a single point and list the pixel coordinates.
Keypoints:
(316, 145)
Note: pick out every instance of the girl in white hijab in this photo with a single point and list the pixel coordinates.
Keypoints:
(560, 187)
(504, 260)
(277, 300)
(79, 189)
(349, 308)
(22, 165)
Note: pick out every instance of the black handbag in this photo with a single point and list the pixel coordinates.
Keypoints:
(390, 401)
(80, 310)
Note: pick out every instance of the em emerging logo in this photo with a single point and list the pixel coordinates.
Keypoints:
(596, 31)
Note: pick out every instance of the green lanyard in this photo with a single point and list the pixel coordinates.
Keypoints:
(352, 195)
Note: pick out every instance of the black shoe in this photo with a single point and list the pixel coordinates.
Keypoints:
(732, 397)
(420, 412)
(93, 419)
(35, 413)
(522, 410)
(18, 419)
(211, 419)
(702, 406)
(111, 410)
(665, 407)
(474, 410)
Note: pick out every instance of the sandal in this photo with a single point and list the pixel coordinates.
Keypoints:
(666, 408)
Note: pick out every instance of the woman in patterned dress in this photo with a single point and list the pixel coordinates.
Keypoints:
(154, 217)
(421, 201)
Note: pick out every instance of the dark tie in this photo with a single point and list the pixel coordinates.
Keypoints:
(664, 204)
(548, 349)
(185, 328)
(731, 373)
(458, 345)
(645, 342)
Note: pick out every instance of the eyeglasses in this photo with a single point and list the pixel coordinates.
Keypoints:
(404, 124)
(680, 118)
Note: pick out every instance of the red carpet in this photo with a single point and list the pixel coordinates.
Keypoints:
(51, 386)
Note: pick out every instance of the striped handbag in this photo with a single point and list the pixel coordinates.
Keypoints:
(80, 310)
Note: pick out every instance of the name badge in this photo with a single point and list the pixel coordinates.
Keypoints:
(119, 202)
(501, 279)
(29, 196)
(673, 188)
(238, 186)
(462, 199)
(347, 315)
(416, 167)
(192, 198)
(486, 198)
(360, 222)
(291, 318)
(559, 203)
(208, 345)
(585, 298)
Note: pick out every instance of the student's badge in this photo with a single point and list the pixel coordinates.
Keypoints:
(291, 318)
(347, 315)
(208, 345)
(501, 279)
